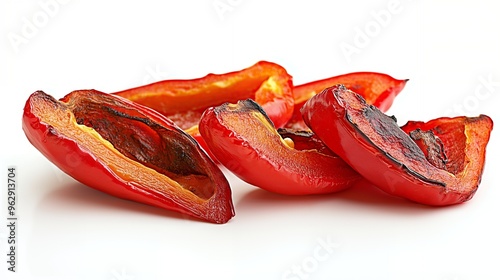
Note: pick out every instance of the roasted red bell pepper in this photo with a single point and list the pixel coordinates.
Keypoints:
(183, 101)
(377, 89)
(448, 172)
(245, 141)
(129, 151)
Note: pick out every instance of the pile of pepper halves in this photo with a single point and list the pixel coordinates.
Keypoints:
(161, 144)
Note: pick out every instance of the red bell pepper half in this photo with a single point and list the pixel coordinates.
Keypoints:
(376, 88)
(129, 151)
(245, 141)
(437, 163)
(183, 101)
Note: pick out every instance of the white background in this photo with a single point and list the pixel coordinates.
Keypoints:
(448, 49)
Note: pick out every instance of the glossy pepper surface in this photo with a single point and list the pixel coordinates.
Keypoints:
(376, 88)
(183, 101)
(127, 150)
(448, 172)
(245, 141)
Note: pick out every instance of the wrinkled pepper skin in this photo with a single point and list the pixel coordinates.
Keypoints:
(183, 101)
(376, 88)
(245, 141)
(129, 151)
(448, 172)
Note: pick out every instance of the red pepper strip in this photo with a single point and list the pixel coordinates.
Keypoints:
(377, 89)
(373, 144)
(129, 151)
(245, 141)
(183, 101)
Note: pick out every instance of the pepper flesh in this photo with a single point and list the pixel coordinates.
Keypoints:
(245, 141)
(373, 144)
(377, 88)
(183, 101)
(305, 140)
(129, 151)
(446, 142)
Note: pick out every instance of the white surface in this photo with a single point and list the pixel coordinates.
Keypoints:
(69, 231)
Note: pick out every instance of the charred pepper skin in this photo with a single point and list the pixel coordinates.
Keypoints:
(388, 156)
(129, 151)
(245, 141)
